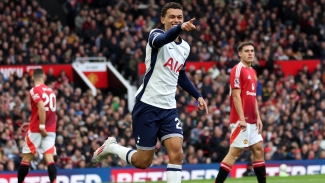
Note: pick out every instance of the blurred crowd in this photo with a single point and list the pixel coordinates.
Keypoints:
(118, 30)
(292, 107)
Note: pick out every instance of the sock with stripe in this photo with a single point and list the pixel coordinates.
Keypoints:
(174, 173)
(223, 173)
(123, 152)
(22, 171)
(51, 169)
(260, 171)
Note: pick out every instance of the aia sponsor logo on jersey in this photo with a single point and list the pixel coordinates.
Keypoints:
(173, 65)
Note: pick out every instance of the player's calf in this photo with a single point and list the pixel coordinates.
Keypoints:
(259, 164)
(24, 167)
(51, 168)
(260, 171)
(226, 164)
(23, 171)
(175, 154)
(142, 159)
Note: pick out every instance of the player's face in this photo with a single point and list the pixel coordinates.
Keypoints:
(172, 18)
(247, 54)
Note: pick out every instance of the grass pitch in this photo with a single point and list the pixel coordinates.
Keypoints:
(291, 179)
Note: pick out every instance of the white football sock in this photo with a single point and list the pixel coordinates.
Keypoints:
(174, 173)
(123, 152)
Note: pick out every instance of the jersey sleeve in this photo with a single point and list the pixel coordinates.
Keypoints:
(158, 38)
(35, 95)
(185, 83)
(153, 35)
(235, 78)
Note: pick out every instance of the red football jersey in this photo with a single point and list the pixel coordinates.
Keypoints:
(244, 78)
(45, 94)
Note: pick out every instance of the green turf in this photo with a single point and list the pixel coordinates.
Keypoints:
(293, 179)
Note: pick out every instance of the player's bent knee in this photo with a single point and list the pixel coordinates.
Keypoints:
(48, 158)
(258, 150)
(176, 157)
(27, 157)
(259, 153)
(174, 149)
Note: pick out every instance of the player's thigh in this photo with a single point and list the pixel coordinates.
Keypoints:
(48, 144)
(235, 152)
(145, 125)
(254, 136)
(170, 126)
(238, 137)
(32, 142)
(257, 151)
(256, 143)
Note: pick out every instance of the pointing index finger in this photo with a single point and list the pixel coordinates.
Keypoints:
(206, 108)
(192, 20)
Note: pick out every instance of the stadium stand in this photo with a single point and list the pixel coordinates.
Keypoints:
(292, 108)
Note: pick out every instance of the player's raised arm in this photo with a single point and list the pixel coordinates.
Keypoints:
(159, 38)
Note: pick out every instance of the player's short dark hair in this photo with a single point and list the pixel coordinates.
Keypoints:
(241, 45)
(38, 73)
(171, 5)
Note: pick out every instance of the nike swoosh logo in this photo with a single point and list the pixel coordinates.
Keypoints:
(171, 48)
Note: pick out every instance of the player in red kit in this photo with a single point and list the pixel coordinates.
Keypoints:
(41, 129)
(245, 122)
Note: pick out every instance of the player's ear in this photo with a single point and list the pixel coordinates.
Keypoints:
(239, 54)
(162, 19)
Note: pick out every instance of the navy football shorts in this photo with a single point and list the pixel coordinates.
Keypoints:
(150, 123)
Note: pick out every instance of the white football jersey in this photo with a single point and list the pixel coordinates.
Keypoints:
(162, 70)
